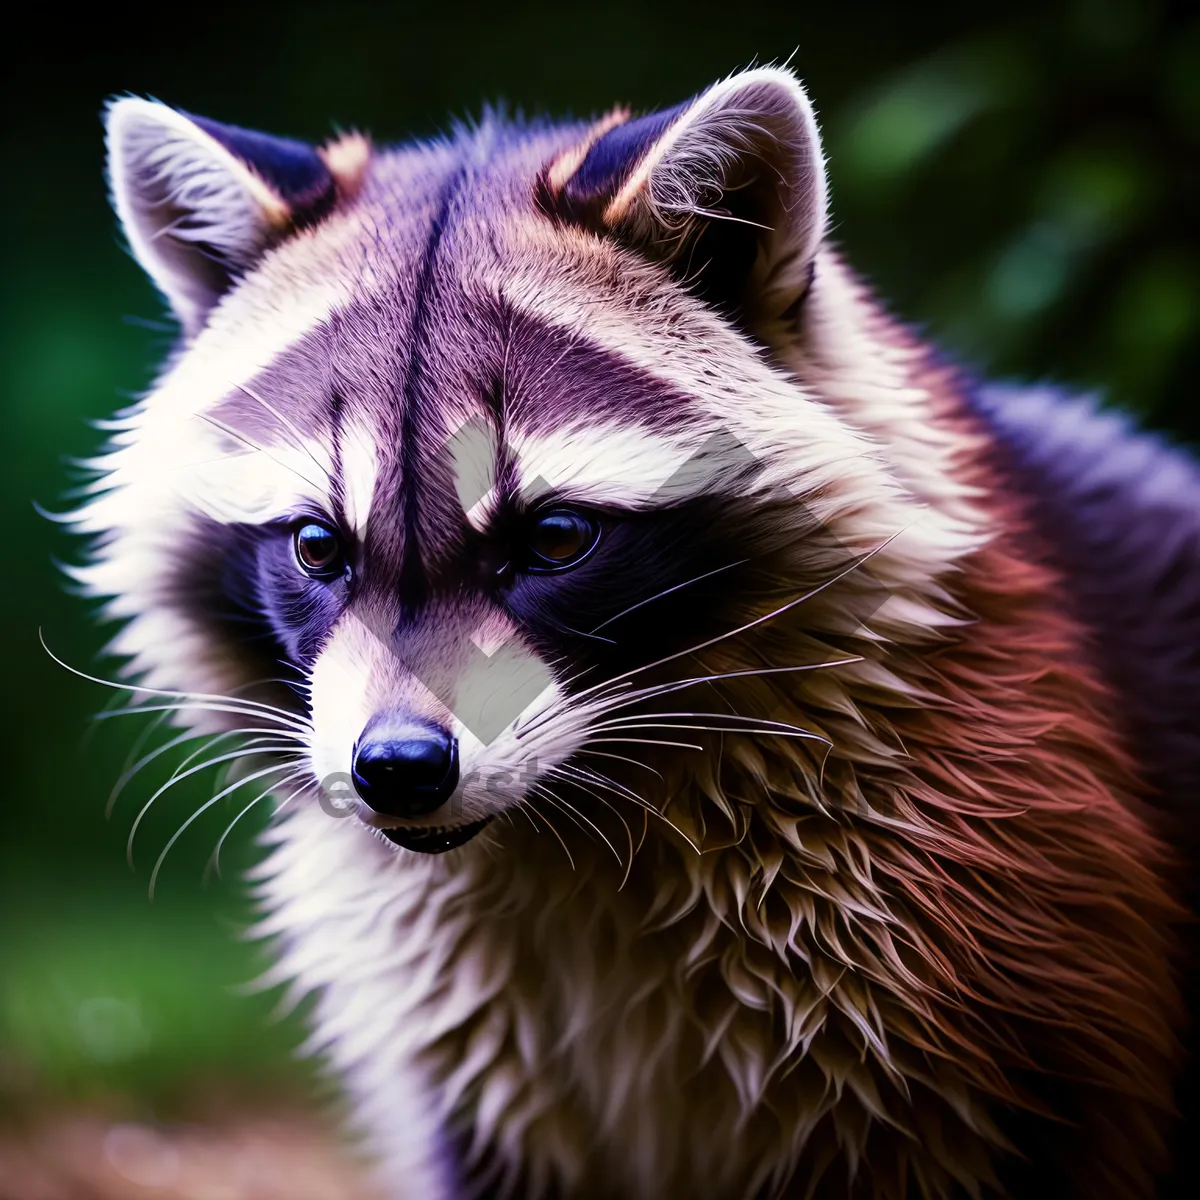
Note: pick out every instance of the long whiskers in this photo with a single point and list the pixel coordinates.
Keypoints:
(256, 747)
(628, 741)
(604, 781)
(667, 591)
(633, 762)
(613, 694)
(721, 637)
(233, 787)
(573, 776)
(538, 790)
(214, 863)
(257, 708)
(574, 771)
(753, 725)
(583, 821)
(640, 694)
(130, 772)
(144, 736)
(287, 728)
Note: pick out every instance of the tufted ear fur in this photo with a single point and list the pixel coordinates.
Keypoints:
(200, 202)
(728, 189)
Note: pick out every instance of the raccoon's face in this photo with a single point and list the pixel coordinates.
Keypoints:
(476, 457)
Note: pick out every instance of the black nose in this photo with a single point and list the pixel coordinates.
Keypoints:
(405, 769)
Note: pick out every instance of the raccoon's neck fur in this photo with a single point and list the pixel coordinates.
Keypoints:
(855, 995)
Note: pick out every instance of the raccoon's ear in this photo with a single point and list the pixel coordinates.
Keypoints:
(200, 202)
(728, 189)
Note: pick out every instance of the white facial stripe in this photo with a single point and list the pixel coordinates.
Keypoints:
(259, 485)
(690, 350)
(360, 469)
(626, 465)
(167, 458)
(287, 298)
(194, 467)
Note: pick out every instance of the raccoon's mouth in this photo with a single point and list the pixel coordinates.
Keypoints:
(436, 839)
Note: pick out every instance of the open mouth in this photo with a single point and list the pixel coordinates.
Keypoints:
(435, 839)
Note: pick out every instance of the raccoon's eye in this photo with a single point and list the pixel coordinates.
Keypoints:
(560, 538)
(318, 550)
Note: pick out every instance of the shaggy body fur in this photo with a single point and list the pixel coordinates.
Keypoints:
(878, 903)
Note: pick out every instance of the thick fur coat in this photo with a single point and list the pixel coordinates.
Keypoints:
(828, 818)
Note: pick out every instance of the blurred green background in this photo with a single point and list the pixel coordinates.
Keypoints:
(1020, 179)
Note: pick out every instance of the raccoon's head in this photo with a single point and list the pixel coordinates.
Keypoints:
(517, 462)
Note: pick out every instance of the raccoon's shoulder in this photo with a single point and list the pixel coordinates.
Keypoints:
(1119, 510)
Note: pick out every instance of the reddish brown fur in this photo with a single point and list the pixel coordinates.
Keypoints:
(1037, 861)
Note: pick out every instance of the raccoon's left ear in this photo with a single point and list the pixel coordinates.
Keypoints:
(201, 202)
(728, 189)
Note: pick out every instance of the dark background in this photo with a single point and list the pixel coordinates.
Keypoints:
(1020, 179)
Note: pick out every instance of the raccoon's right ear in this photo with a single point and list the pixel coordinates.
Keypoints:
(200, 202)
(728, 190)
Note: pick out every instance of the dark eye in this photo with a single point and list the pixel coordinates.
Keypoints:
(560, 538)
(318, 550)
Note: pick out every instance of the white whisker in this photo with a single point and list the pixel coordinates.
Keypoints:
(243, 752)
(584, 816)
(151, 691)
(131, 768)
(214, 862)
(667, 591)
(581, 819)
(633, 762)
(679, 685)
(539, 790)
(607, 741)
(601, 696)
(783, 608)
(648, 809)
(233, 787)
(294, 725)
(754, 725)
(146, 759)
(598, 777)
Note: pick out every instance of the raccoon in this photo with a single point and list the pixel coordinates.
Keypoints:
(721, 747)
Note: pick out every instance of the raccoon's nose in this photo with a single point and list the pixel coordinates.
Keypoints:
(405, 769)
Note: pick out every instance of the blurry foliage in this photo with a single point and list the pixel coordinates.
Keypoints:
(101, 1004)
(1030, 192)
(1020, 179)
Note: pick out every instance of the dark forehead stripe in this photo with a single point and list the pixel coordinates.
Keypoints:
(412, 584)
(348, 370)
(557, 378)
